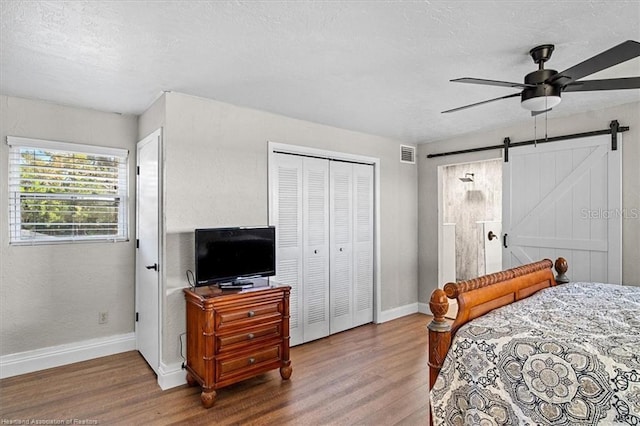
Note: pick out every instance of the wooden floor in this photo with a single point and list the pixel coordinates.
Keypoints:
(372, 375)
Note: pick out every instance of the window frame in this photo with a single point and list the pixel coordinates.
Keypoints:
(14, 197)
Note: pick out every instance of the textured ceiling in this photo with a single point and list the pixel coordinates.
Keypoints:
(380, 67)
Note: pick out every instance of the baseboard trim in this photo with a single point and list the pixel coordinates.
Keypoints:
(56, 356)
(171, 375)
(423, 308)
(399, 312)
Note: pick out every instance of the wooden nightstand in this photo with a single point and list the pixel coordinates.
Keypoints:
(235, 335)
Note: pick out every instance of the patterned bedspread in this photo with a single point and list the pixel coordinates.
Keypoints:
(568, 355)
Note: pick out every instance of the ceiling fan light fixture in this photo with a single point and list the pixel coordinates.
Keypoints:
(541, 103)
(541, 97)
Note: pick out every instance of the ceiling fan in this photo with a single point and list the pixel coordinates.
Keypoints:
(542, 88)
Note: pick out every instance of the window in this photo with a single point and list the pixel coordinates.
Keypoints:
(64, 192)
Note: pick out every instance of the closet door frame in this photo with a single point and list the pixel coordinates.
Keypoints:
(274, 147)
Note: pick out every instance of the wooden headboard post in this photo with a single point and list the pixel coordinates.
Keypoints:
(439, 333)
(480, 295)
(561, 268)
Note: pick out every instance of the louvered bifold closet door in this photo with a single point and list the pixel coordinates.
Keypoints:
(324, 218)
(362, 244)
(341, 231)
(315, 201)
(286, 216)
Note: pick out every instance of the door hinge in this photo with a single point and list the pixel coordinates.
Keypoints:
(137, 243)
(614, 126)
(138, 170)
(506, 143)
(137, 316)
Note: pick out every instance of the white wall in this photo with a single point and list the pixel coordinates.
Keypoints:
(627, 115)
(51, 294)
(216, 175)
(152, 119)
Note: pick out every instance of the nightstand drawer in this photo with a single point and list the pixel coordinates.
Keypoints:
(252, 335)
(247, 363)
(264, 312)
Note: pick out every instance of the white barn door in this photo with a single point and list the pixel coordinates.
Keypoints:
(564, 199)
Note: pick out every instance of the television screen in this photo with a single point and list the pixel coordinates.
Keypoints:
(233, 254)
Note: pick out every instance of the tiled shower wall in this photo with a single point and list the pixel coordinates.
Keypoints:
(465, 203)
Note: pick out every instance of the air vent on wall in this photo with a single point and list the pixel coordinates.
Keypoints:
(407, 154)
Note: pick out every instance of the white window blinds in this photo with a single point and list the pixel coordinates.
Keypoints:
(63, 192)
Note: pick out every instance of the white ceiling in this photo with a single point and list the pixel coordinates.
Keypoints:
(380, 67)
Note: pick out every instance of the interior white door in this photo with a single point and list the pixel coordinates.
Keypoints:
(565, 199)
(363, 244)
(341, 231)
(315, 206)
(148, 253)
(286, 215)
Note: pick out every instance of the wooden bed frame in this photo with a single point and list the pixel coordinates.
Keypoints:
(480, 295)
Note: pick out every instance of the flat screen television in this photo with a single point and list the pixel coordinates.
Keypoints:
(234, 254)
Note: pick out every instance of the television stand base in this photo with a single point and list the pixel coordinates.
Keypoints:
(236, 285)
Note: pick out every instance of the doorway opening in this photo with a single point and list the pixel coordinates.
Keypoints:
(470, 220)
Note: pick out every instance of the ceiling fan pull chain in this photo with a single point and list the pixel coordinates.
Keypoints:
(546, 112)
(546, 136)
(535, 131)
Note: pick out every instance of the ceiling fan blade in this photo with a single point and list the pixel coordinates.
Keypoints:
(480, 103)
(491, 82)
(534, 113)
(610, 84)
(616, 55)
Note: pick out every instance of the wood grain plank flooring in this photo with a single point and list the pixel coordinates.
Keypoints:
(371, 375)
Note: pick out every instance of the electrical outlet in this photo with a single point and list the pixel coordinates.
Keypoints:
(103, 317)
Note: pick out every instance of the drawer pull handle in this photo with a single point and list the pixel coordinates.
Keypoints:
(250, 336)
(252, 360)
(250, 314)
